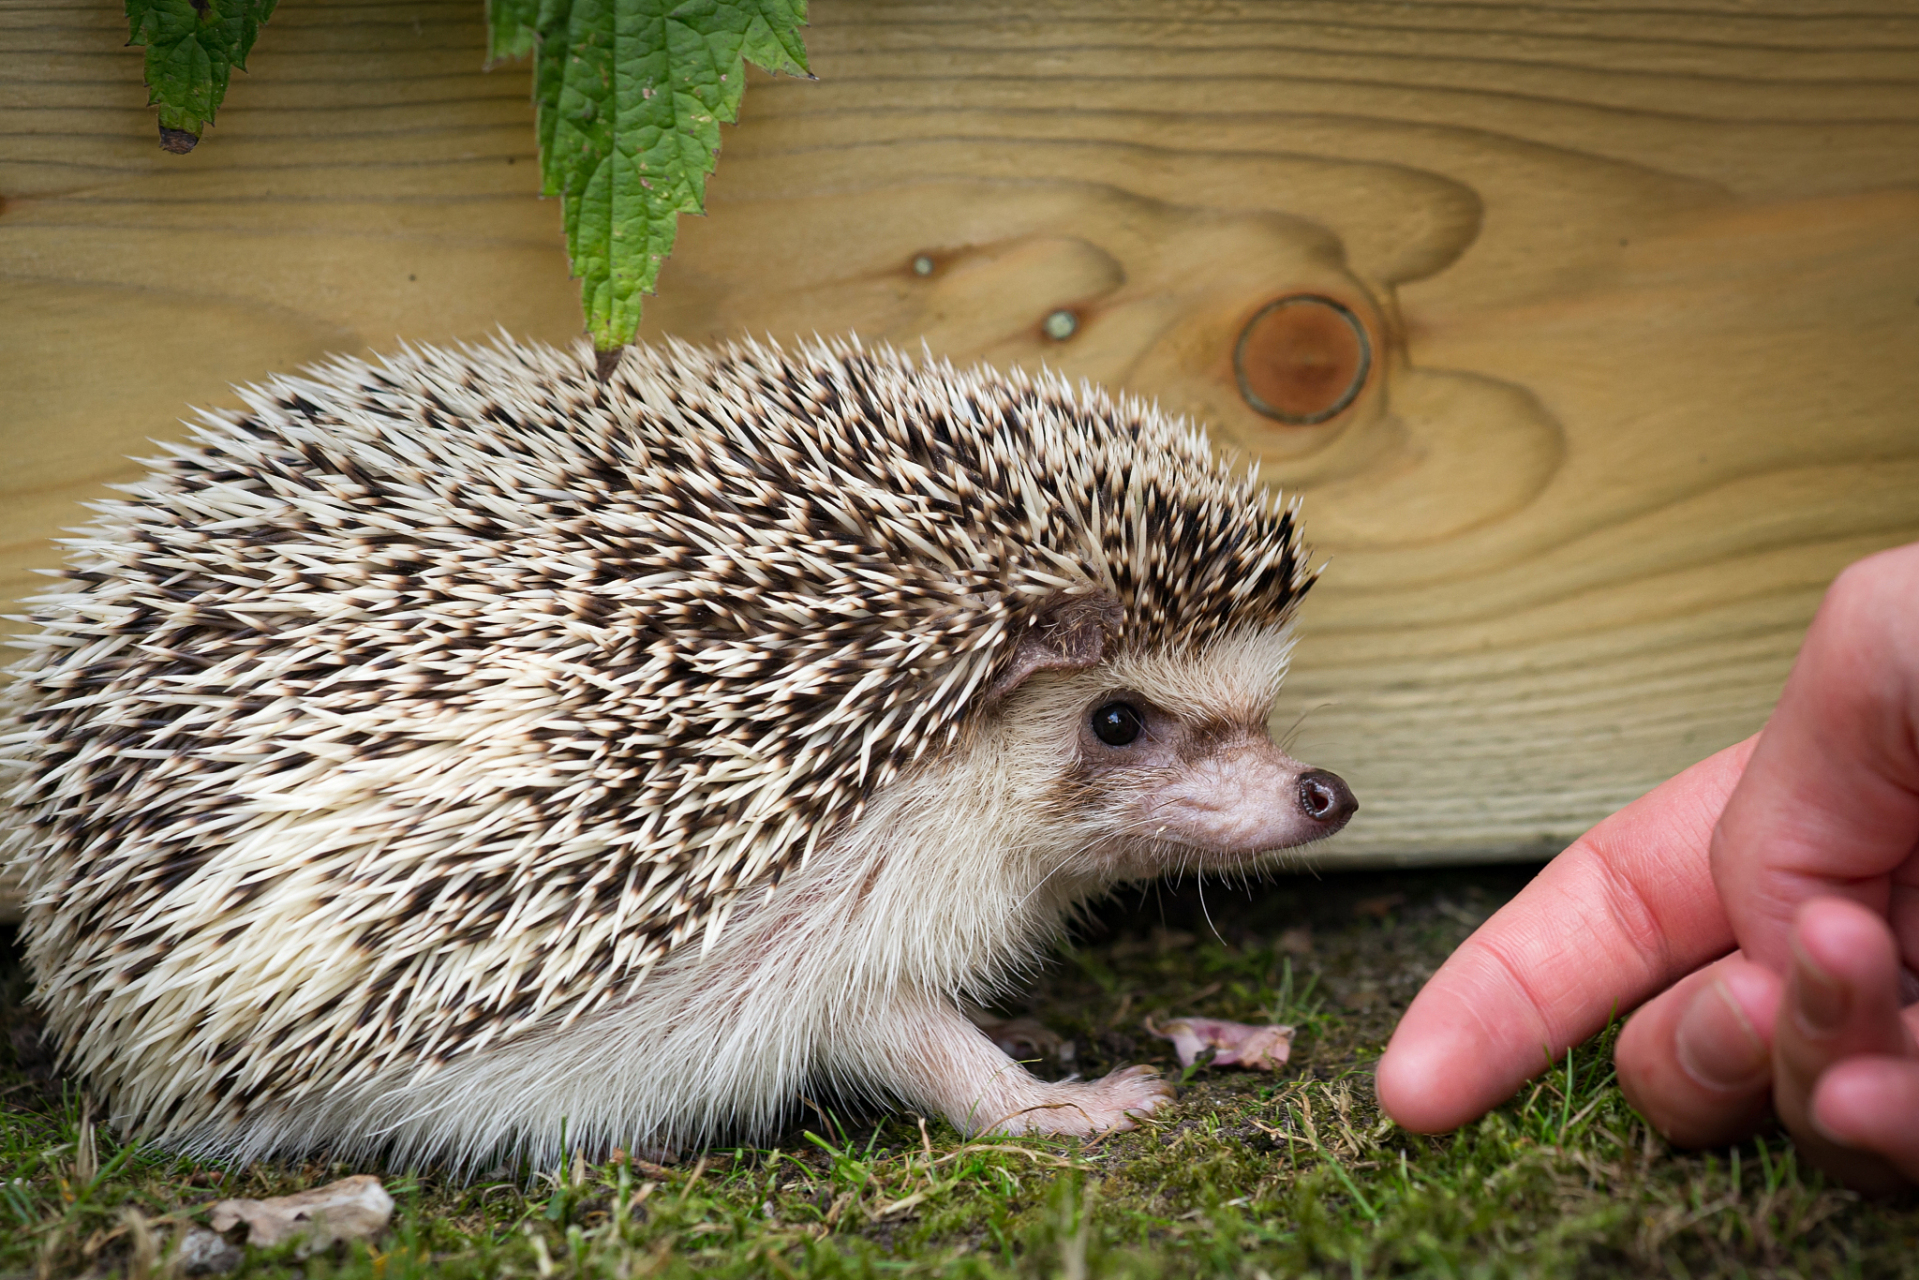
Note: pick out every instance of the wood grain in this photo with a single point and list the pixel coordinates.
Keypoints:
(1642, 286)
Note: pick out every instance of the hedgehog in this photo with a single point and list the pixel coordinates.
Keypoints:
(479, 751)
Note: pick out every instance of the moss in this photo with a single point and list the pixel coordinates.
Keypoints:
(1250, 1175)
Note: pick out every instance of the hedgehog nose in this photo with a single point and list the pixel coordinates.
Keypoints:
(1326, 799)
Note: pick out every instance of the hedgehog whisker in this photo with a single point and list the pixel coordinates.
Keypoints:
(1292, 733)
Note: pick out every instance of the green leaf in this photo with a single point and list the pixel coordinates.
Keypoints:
(631, 96)
(511, 26)
(192, 47)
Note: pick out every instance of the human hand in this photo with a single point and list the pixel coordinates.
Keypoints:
(1800, 845)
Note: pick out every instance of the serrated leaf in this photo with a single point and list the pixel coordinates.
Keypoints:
(631, 96)
(511, 27)
(192, 47)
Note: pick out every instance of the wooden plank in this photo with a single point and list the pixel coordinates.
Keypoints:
(1642, 289)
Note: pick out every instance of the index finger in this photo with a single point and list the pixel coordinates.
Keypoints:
(1622, 913)
(1829, 806)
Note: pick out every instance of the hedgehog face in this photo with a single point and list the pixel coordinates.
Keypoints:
(1167, 764)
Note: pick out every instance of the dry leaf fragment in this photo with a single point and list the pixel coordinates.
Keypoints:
(355, 1208)
(1236, 1044)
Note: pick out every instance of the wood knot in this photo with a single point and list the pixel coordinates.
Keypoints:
(1302, 359)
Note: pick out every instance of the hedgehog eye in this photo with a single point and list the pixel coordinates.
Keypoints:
(1118, 723)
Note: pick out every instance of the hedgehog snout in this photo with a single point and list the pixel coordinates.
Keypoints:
(1326, 799)
(1246, 799)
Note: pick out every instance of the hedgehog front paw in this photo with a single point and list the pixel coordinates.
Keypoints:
(1085, 1108)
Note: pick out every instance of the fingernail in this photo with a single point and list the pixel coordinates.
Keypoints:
(1820, 1004)
(1715, 1044)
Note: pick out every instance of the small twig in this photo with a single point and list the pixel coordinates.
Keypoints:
(832, 1130)
(1041, 1157)
(1583, 1113)
(1271, 1132)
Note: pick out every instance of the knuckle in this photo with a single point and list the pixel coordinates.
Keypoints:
(1637, 918)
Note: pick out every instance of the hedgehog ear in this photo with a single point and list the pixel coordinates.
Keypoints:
(1070, 634)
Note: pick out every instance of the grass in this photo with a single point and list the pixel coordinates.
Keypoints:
(1250, 1175)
